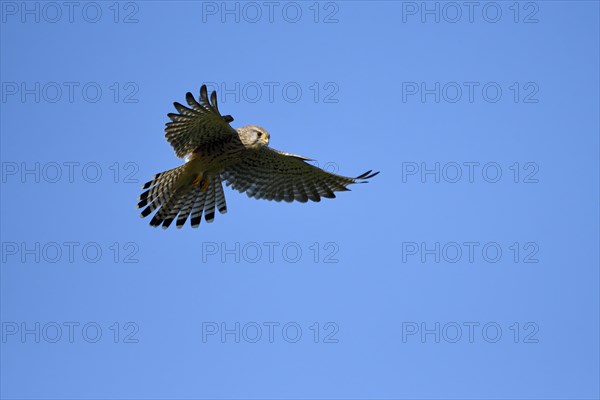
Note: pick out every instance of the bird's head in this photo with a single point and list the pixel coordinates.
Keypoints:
(254, 136)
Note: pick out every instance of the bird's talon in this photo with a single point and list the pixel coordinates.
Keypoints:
(203, 182)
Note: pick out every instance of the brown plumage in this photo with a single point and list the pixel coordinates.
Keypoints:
(240, 157)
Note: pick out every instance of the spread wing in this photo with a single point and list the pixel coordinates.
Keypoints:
(274, 175)
(199, 126)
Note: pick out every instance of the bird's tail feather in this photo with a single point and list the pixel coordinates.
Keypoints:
(174, 199)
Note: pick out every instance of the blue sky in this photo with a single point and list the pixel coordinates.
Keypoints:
(467, 269)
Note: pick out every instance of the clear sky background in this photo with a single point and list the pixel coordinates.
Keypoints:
(467, 269)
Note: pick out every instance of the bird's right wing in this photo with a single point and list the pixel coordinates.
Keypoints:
(202, 125)
(275, 175)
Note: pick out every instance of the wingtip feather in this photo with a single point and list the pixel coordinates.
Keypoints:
(367, 175)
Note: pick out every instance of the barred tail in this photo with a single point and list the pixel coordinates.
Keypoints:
(178, 201)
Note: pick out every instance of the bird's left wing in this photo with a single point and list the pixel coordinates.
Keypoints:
(199, 126)
(274, 175)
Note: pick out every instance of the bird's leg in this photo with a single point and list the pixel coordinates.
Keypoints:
(202, 181)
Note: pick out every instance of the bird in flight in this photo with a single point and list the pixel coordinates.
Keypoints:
(216, 152)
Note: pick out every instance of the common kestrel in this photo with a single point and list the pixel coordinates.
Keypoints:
(241, 157)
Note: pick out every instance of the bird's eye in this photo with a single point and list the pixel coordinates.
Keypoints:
(259, 134)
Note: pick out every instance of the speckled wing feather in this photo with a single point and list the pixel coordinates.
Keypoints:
(274, 175)
(202, 125)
